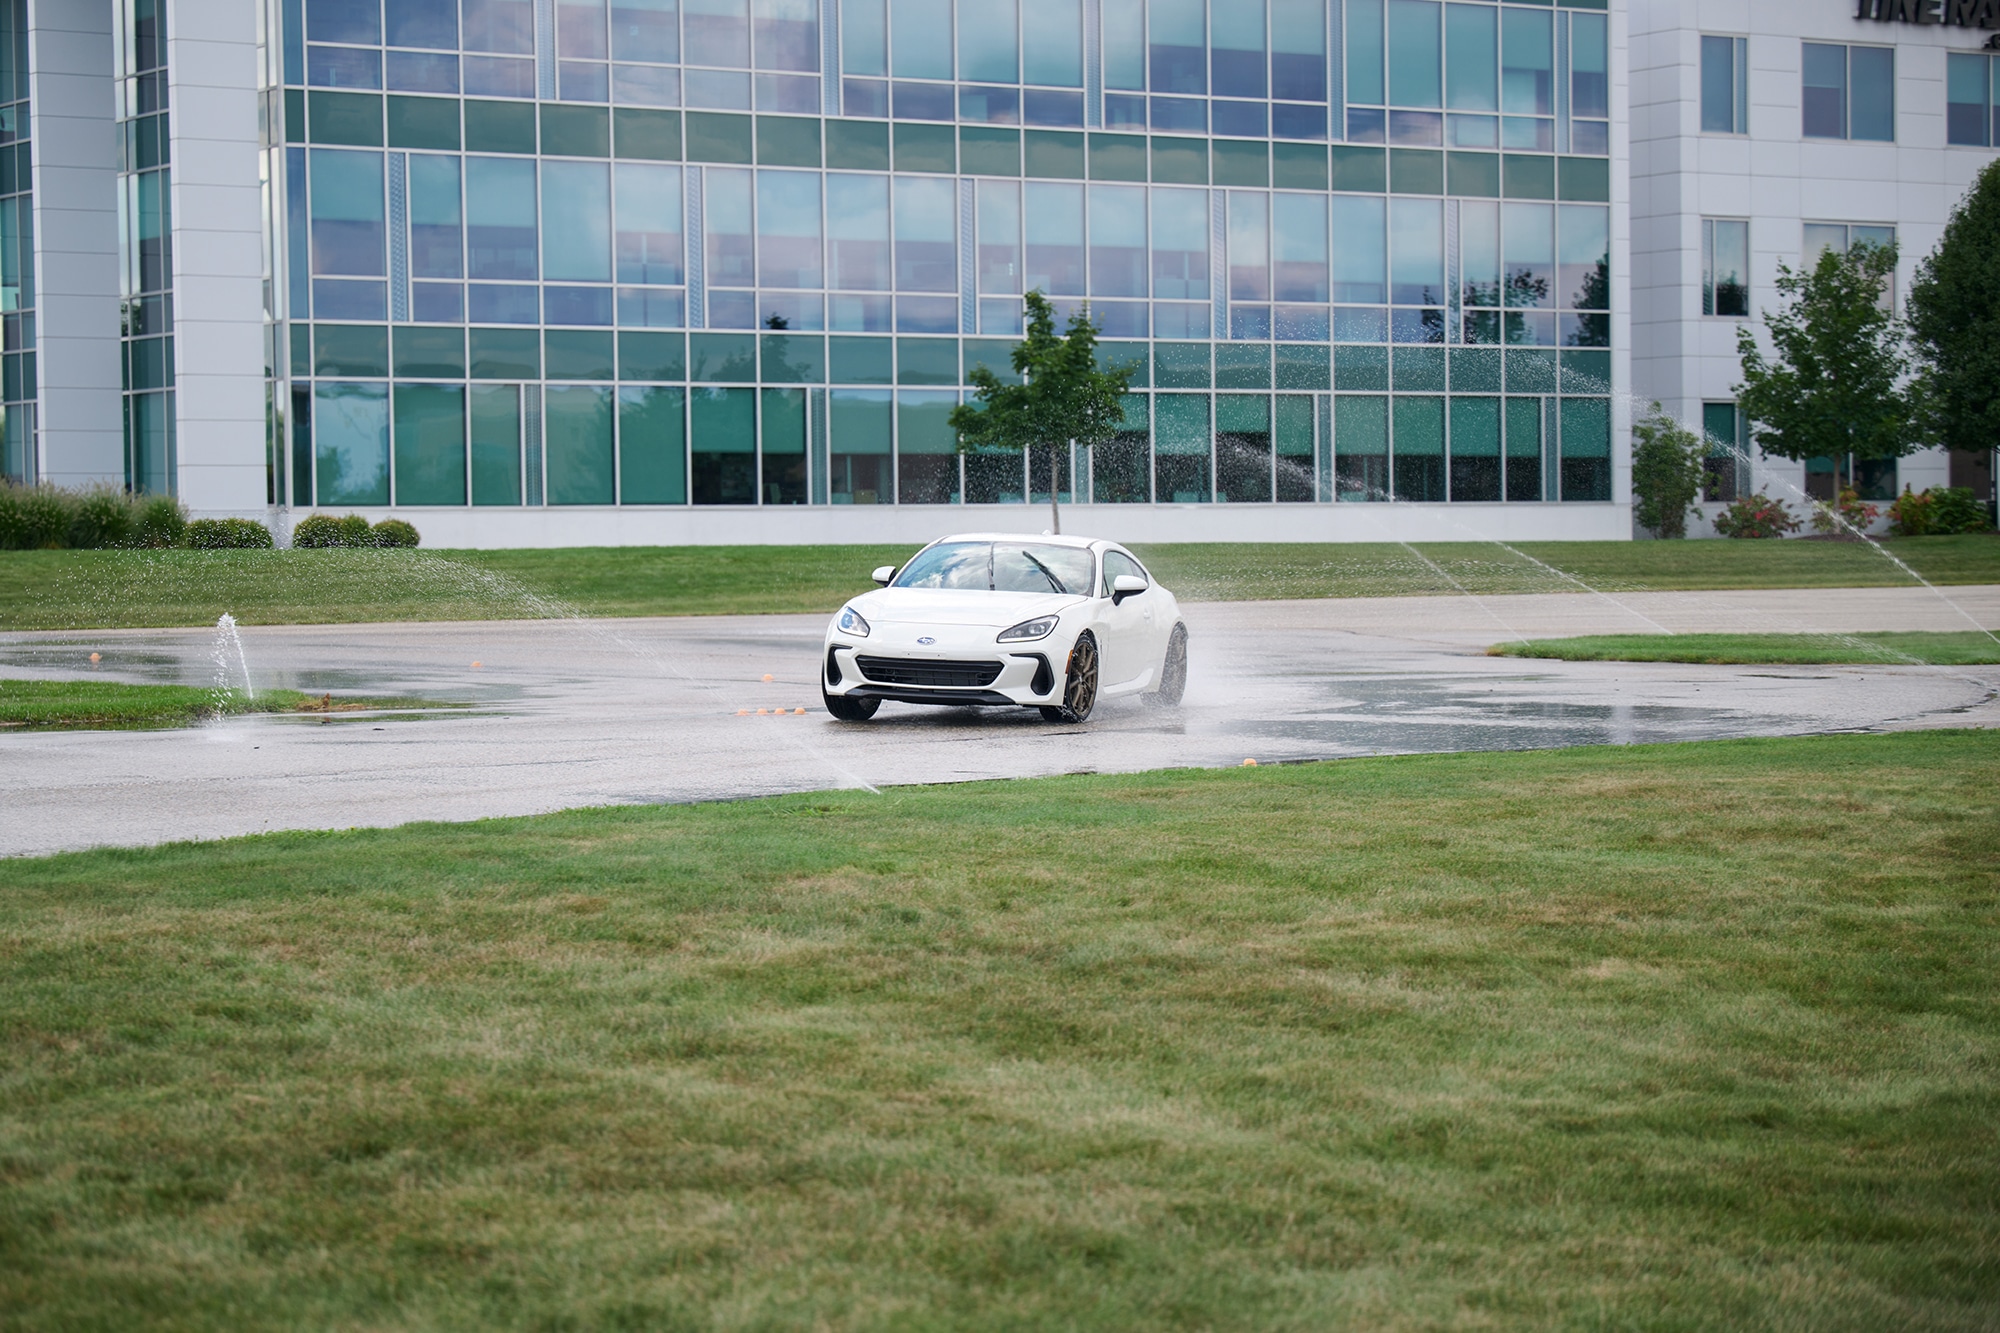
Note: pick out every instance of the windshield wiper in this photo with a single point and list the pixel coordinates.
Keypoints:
(1047, 573)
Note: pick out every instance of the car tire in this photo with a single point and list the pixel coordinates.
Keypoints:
(1173, 670)
(1079, 683)
(849, 709)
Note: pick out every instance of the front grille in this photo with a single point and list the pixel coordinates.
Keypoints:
(911, 671)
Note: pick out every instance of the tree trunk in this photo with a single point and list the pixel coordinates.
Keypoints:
(1055, 488)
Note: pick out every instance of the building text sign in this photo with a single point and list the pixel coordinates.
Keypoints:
(1943, 13)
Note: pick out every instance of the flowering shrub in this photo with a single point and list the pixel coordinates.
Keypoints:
(1938, 511)
(1850, 507)
(1756, 515)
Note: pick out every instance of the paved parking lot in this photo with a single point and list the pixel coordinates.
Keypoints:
(573, 713)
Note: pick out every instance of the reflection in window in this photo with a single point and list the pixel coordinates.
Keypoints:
(926, 234)
(1725, 268)
(1117, 240)
(1054, 217)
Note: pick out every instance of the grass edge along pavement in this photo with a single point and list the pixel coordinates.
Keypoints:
(1680, 1036)
(67, 705)
(1874, 648)
(138, 589)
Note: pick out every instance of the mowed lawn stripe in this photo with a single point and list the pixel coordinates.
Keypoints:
(1692, 1036)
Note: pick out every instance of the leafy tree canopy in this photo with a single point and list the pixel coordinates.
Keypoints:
(1666, 472)
(1954, 321)
(1063, 396)
(1832, 384)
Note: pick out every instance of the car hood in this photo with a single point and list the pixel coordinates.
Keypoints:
(950, 606)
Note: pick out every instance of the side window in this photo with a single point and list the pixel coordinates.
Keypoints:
(1117, 566)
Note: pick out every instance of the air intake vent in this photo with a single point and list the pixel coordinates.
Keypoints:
(909, 671)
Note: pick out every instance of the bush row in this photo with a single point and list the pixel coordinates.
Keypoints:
(1940, 511)
(50, 518)
(324, 530)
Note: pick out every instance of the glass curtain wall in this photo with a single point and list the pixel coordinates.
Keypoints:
(705, 252)
(19, 457)
(146, 244)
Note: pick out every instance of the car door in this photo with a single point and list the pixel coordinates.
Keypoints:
(1128, 624)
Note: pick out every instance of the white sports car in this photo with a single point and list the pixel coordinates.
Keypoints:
(1054, 623)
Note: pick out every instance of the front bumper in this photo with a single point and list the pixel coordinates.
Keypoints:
(1028, 673)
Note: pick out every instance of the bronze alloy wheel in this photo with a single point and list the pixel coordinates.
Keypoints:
(1173, 672)
(1079, 684)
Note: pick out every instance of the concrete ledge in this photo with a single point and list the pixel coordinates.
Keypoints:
(774, 525)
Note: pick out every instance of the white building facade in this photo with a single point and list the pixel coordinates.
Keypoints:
(1763, 134)
(563, 272)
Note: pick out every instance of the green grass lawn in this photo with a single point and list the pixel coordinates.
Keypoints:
(1702, 1036)
(1967, 648)
(92, 589)
(102, 704)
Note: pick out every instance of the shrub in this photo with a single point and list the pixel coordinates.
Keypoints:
(1666, 472)
(1756, 515)
(1937, 511)
(317, 532)
(101, 517)
(45, 515)
(1857, 512)
(394, 532)
(226, 534)
(354, 530)
(158, 520)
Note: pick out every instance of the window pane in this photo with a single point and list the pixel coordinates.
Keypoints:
(926, 234)
(1298, 50)
(1360, 252)
(782, 434)
(1821, 237)
(1527, 68)
(500, 213)
(576, 221)
(1236, 36)
(1054, 215)
(1124, 43)
(496, 444)
(718, 33)
(1873, 113)
(347, 223)
(646, 30)
(1590, 83)
(576, 435)
(1586, 449)
(505, 27)
(1479, 253)
(927, 448)
(1416, 252)
(1414, 78)
(1180, 244)
(1364, 52)
(788, 245)
(922, 46)
(725, 446)
(787, 34)
(649, 223)
(987, 47)
(436, 245)
(579, 29)
(1529, 255)
(1180, 46)
(1965, 99)
(1298, 242)
(351, 443)
(1249, 247)
(652, 445)
(1585, 279)
(1053, 42)
(864, 37)
(1825, 91)
(1472, 57)
(1718, 85)
(731, 258)
(1361, 447)
(1181, 446)
(999, 237)
(859, 457)
(430, 444)
(1725, 284)
(857, 210)
(1117, 240)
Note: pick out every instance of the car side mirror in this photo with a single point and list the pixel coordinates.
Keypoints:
(1126, 585)
(884, 574)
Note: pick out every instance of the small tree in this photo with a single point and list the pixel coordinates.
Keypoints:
(1833, 386)
(1954, 319)
(1063, 398)
(1666, 472)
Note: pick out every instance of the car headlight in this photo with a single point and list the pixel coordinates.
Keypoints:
(850, 622)
(1038, 628)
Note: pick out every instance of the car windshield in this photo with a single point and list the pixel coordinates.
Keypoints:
(1000, 567)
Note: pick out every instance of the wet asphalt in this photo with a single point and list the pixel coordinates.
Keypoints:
(561, 714)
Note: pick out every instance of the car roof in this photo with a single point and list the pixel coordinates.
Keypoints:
(1043, 539)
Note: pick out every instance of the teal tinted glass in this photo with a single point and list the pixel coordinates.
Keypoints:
(576, 221)
(351, 443)
(922, 31)
(1052, 42)
(652, 445)
(430, 444)
(576, 441)
(1364, 52)
(988, 50)
(1415, 76)
(1472, 57)
(495, 411)
(1527, 62)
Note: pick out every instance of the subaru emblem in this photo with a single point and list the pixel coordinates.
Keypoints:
(927, 639)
